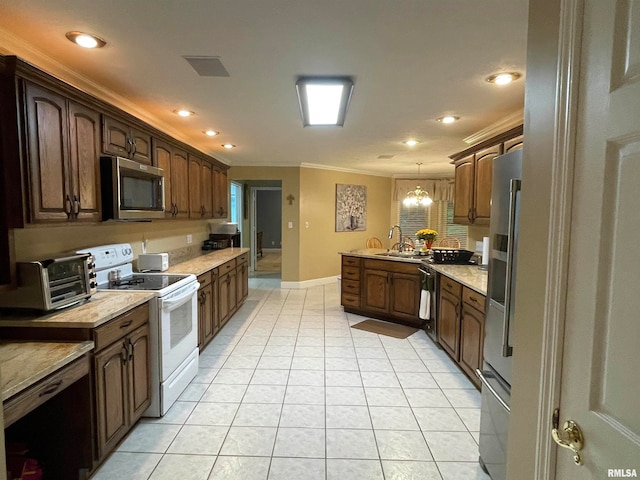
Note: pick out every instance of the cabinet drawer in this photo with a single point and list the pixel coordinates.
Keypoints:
(473, 299)
(19, 405)
(227, 267)
(351, 286)
(450, 286)
(351, 261)
(350, 300)
(244, 258)
(204, 279)
(117, 328)
(350, 273)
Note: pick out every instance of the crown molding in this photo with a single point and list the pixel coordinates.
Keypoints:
(507, 123)
(340, 169)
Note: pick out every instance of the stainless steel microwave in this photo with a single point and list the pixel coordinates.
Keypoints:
(131, 190)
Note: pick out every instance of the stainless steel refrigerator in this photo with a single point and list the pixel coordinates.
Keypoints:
(496, 371)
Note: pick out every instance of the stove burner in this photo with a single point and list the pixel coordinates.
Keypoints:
(131, 281)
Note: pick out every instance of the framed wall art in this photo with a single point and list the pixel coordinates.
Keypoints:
(351, 208)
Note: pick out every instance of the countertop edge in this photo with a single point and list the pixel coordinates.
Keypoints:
(377, 254)
(53, 363)
(480, 281)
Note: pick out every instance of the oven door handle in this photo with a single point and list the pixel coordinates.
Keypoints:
(175, 302)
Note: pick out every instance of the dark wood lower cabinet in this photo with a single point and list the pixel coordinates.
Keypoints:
(461, 325)
(384, 289)
(123, 390)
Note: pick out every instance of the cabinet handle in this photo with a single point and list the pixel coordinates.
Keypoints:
(175, 209)
(134, 148)
(229, 279)
(470, 215)
(126, 324)
(130, 348)
(50, 389)
(76, 205)
(123, 353)
(67, 207)
(128, 149)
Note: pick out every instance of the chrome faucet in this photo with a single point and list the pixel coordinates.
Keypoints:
(400, 242)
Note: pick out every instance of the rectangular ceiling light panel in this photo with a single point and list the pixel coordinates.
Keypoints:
(324, 100)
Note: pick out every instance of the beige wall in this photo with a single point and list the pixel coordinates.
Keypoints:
(311, 252)
(319, 242)
(290, 178)
(162, 235)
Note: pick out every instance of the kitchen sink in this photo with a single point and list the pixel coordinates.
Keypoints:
(401, 254)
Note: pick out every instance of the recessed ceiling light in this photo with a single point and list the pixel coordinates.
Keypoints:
(184, 113)
(448, 119)
(211, 133)
(411, 143)
(503, 78)
(228, 145)
(85, 40)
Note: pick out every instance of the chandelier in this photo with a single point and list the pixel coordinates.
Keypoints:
(418, 196)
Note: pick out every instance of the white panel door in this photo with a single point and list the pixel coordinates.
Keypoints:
(601, 363)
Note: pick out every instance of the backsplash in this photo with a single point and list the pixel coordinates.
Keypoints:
(162, 236)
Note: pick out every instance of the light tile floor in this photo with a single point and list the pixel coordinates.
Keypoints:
(287, 391)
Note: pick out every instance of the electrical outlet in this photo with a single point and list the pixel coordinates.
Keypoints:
(189, 239)
(306, 224)
(273, 242)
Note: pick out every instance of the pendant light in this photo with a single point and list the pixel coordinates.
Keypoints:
(418, 196)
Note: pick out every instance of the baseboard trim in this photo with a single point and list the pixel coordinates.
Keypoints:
(308, 283)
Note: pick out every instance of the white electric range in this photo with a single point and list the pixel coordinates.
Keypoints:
(173, 320)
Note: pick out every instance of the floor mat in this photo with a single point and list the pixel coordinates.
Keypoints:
(385, 328)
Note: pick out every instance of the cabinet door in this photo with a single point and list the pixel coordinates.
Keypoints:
(47, 134)
(471, 336)
(180, 183)
(84, 147)
(141, 146)
(139, 372)
(206, 189)
(205, 315)
(233, 292)
(163, 153)
(115, 137)
(223, 298)
(405, 296)
(449, 323)
(513, 144)
(221, 194)
(195, 199)
(376, 291)
(215, 307)
(463, 191)
(111, 396)
(242, 277)
(484, 174)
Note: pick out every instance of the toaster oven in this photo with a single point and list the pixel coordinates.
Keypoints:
(52, 283)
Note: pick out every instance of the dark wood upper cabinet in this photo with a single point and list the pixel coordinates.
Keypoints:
(63, 157)
(174, 163)
(473, 176)
(206, 188)
(195, 185)
(220, 194)
(123, 140)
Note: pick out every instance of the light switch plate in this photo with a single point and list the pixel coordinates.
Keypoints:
(290, 224)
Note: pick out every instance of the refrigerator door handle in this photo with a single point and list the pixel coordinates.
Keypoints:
(483, 378)
(514, 188)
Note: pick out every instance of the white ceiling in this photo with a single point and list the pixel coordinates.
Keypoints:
(412, 61)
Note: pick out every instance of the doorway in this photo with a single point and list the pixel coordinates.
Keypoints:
(236, 206)
(266, 225)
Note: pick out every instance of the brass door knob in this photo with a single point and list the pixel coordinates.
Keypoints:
(569, 436)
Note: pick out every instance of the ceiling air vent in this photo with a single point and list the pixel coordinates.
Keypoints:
(207, 66)
(385, 157)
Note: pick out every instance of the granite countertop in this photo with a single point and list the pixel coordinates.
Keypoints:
(379, 254)
(99, 309)
(207, 261)
(26, 363)
(470, 276)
